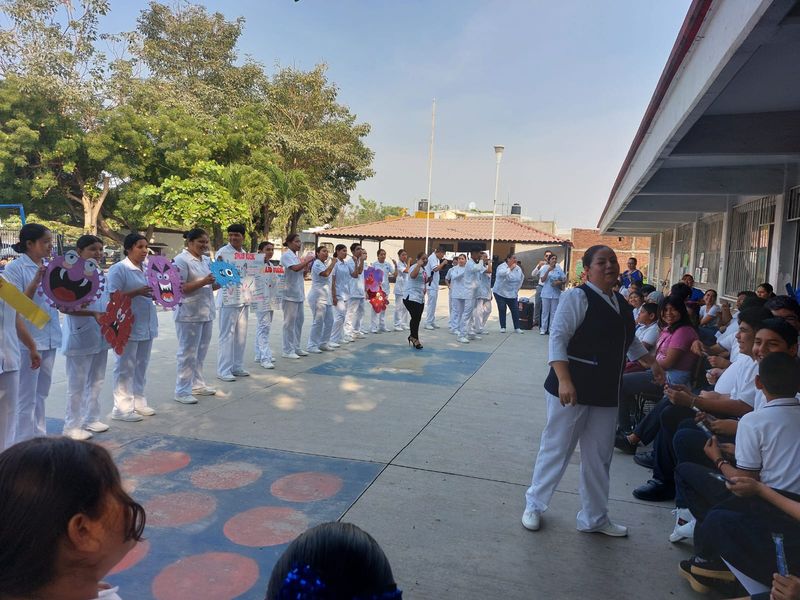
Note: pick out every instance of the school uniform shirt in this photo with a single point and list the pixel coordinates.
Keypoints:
(320, 286)
(226, 253)
(459, 286)
(714, 312)
(549, 290)
(433, 276)
(341, 273)
(728, 339)
(197, 306)
(744, 386)
(483, 285)
(415, 288)
(295, 287)
(356, 283)
(20, 272)
(508, 281)
(402, 278)
(472, 272)
(9, 348)
(648, 334)
(388, 269)
(767, 441)
(82, 335)
(125, 277)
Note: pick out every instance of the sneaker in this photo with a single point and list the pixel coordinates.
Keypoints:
(645, 459)
(226, 377)
(241, 373)
(145, 411)
(311, 351)
(431, 327)
(398, 328)
(325, 348)
(463, 340)
(655, 491)
(518, 331)
(289, 355)
(267, 364)
(610, 529)
(204, 391)
(186, 399)
(300, 352)
(483, 332)
(77, 434)
(502, 330)
(532, 520)
(542, 332)
(347, 340)
(435, 326)
(385, 331)
(334, 345)
(684, 525)
(375, 331)
(120, 416)
(622, 443)
(96, 427)
(699, 584)
(711, 568)
(473, 336)
(359, 335)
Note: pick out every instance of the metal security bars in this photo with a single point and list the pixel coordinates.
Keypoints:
(683, 248)
(665, 274)
(708, 248)
(749, 243)
(793, 204)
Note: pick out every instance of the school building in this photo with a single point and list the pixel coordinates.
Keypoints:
(713, 173)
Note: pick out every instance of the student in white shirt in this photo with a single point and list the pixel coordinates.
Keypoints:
(232, 318)
(416, 286)
(294, 296)
(340, 296)
(647, 330)
(25, 273)
(321, 303)
(506, 287)
(400, 312)
(86, 354)
(436, 261)
(365, 305)
(474, 271)
(552, 278)
(483, 297)
(130, 368)
(461, 296)
(264, 317)
(194, 318)
(355, 302)
(454, 315)
(378, 321)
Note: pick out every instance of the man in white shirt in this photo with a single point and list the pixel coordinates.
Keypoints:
(355, 303)
(378, 320)
(232, 318)
(436, 261)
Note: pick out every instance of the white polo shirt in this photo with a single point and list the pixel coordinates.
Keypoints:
(197, 306)
(744, 386)
(767, 440)
(295, 280)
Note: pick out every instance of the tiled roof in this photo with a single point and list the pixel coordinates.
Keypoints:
(472, 228)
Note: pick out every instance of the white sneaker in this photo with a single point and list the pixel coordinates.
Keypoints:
(204, 391)
(120, 416)
(289, 355)
(502, 330)
(472, 336)
(96, 427)
(310, 351)
(186, 399)
(398, 328)
(483, 332)
(463, 340)
(334, 345)
(325, 348)
(532, 520)
(226, 377)
(385, 330)
(267, 364)
(145, 411)
(300, 352)
(431, 327)
(77, 434)
(542, 332)
(347, 340)
(359, 335)
(684, 525)
(241, 373)
(518, 331)
(611, 529)
(435, 326)
(375, 331)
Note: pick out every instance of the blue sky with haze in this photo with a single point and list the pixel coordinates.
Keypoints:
(562, 84)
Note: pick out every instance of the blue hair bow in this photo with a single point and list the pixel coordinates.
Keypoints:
(303, 583)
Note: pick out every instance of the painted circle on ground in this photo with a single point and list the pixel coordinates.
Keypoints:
(155, 462)
(179, 508)
(226, 476)
(306, 487)
(265, 526)
(132, 558)
(209, 576)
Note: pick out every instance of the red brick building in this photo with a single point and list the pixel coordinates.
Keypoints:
(625, 247)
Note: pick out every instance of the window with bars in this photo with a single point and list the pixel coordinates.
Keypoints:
(708, 248)
(793, 204)
(683, 246)
(749, 243)
(665, 268)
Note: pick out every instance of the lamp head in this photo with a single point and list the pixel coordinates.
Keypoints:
(498, 152)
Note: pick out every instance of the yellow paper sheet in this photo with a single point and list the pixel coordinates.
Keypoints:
(22, 304)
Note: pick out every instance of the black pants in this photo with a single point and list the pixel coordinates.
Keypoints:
(671, 418)
(415, 310)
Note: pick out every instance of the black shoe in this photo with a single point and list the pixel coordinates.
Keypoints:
(622, 443)
(704, 585)
(655, 491)
(645, 459)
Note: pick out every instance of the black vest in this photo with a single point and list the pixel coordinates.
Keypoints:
(598, 351)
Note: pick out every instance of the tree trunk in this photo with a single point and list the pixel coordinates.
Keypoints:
(102, 226)
(217, 237)
(149, 232)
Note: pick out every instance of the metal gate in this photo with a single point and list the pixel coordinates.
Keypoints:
(749, 242)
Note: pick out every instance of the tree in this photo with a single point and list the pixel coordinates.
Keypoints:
(292, 196)
(367, 211)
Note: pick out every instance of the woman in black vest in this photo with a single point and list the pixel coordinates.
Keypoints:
(591, 338)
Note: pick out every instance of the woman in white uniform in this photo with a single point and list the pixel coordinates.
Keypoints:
(293, 297)
(130, 368)
(461, 295)
(35, 244)
(194, 318)
(378, 320)
(400, 312)
(483, 298)
(86, 354)
(506, 287)
(552, 279)
(355, 302)
(592, 332)
(264, 316)
(340, 296)
(321, 303)
(415, 297)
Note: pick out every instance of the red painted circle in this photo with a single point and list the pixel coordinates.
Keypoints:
(265, 526)
(180, 508)
(132, 558)
(209, 576)
(156, 462)
(306, 487)
(226, 476)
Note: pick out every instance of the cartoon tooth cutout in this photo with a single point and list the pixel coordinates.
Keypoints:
(165, 281)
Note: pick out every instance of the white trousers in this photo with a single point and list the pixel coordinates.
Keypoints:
(85, 377)
(549, 306)
(480, 314)
(452, 323)
(430, 304)
(465, 323)
(194, 338)
(322, 326)
(593, 427)
(34, 386)
(400, 313)
(130, 376)
(292, 326)
(9, 390)
(232, 339)
(339, 330)
(263, 327)
(355, 316)
(378, 320)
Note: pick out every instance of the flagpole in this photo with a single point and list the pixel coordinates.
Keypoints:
(498, 152)
(430, 177)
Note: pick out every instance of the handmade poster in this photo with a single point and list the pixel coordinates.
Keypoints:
(378, 300)
(272, 282)
(224, 273)
(116, 323)
(248, 265)
(70, 282)
(22, 304)
(373, 278)
(165, 281)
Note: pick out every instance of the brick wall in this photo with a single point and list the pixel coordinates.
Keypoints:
(625, 247)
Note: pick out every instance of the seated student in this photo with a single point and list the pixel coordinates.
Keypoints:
(333, 561)
(66, 521)
(724, 352)
(636, 300)
(695, 294)
(709, 317)
(726, 313)
(767, 449)
(786, 308)
(765, 291)
(647, 329)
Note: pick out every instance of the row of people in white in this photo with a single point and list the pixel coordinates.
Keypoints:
(469, 283)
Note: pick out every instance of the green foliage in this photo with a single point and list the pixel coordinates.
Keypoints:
(367, 211)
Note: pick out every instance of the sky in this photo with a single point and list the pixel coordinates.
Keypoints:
(562, 85)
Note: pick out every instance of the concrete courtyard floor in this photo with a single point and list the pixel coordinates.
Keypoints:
(452, 432)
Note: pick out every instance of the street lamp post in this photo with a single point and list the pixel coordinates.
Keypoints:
(498, 153)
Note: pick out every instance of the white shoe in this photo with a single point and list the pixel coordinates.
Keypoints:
(532, 520)
(241, 373)
(289, 355)
(684, 525)
(398, 328)
(347, 340)
(431, 327)
(266, 364)
(204, 391)
(300, 352)
(542, 332)
(611, 529)
(375, 331)
(435, 326)
(334, 345)
(385, 330)
(77, 434)
(502, 330)
(310, 351)
(359, 335)
(226, 377)
(483, 332)
(186, 399)
(145, 411)
(96, 427)
(518, 331)
(472, 336)
(325, 348)
(463, 340)
(132, 416)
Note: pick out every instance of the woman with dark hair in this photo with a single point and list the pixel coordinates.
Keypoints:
(765, 291)
(130, 368)
(340, 296)
(414, 300)
(336, 561)
(265, 313)
(194, 318)
(552, 279)
(400, 312)
(591, 335)
(507, 282)
(321, 303)
(25, 273)
(66, 521)
(232, 317)
(294, 296)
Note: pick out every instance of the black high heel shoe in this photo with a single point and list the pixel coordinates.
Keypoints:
(412, 341)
